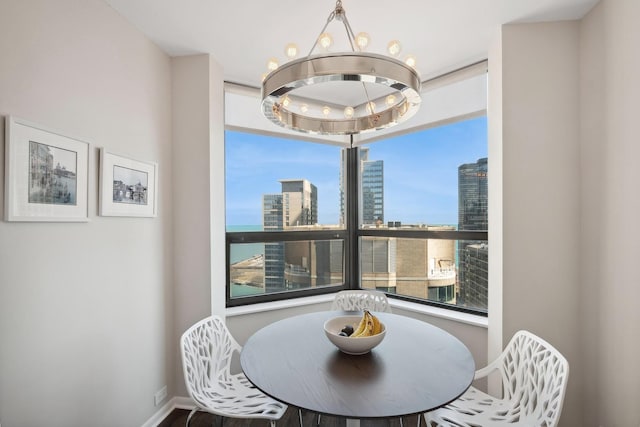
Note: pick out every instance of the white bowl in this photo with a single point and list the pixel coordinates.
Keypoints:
(349, 345)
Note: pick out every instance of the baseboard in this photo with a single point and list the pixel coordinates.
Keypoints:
(177, 402)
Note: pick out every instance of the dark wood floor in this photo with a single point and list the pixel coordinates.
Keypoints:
(178, 418)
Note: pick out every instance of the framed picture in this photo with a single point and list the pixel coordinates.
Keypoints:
(45, 174)
(127, 187)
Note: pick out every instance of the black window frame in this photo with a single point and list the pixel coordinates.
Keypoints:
(350, 235)
(233, 237)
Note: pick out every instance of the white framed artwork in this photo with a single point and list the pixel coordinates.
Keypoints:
(46, 174)
(128, 187)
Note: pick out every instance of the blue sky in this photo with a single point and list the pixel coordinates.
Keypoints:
(420, 172)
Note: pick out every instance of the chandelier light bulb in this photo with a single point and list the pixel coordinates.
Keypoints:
(291, 50)
(304, 108)
(390, 100)
(410, 61)
(371, 107)
(272, 64)
(325, 40)
(394, 47)
(348, 112)
(286, 101)
(326, 111)
(362, 40)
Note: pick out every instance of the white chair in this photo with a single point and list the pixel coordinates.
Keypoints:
(207, 349)
(534, 380)
(360, 300)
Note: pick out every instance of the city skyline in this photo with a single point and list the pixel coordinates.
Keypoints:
(420, 177)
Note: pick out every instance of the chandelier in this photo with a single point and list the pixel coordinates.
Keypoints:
(343, 93)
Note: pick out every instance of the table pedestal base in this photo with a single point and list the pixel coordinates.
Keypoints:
(356, 423)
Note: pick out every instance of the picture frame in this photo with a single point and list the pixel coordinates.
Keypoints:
(46, 174)
(128, 187)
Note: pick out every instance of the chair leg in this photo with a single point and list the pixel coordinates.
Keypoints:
(318, 421)
(191, 415)
(273, 423)
(300, 416)
(399, 420)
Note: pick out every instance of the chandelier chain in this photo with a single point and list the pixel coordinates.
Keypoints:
(352, 40)
(350, 35)
(331, 17)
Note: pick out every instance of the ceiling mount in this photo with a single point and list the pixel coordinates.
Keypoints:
(341, 93)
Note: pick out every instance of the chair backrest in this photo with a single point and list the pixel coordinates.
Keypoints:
(207, 349)
(535, 375)
(361, 299)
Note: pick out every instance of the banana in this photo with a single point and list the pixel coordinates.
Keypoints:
(377, 328)
(360, 328)
(368, 329)
(370, 325)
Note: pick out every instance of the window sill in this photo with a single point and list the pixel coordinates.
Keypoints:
(453, 315)
(278, 305)
(456, 316)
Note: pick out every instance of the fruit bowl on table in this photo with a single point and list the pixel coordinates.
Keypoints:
(350, 344)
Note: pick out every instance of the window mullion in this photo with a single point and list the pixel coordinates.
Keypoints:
(352, 252)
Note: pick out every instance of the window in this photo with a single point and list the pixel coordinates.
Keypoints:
(282, 199)
(412, 223)
(431, 183)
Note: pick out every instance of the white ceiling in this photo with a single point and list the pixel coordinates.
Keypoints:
(243, 34)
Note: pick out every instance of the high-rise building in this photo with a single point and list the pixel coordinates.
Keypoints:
(300, 202)
(372, 192)
(296, 205)
(472, 196)
(272, 217)
(343, 188)
(272, 212)
(313, 263)
(474, 289)
(371, 188)
(472, 215)
(423, 268)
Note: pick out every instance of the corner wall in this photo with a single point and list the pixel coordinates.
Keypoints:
(198, 188)
(610, 90)
(86, 308)
(540, 191)
(570, 201)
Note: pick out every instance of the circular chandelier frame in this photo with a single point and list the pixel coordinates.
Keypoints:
(355, 66)
(345, 67)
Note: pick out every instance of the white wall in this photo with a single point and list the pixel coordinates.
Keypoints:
(592, 152)
(540, 190)
(198, 188)
(495, 184)
(85, 307)
(568, 97)
(610, 90)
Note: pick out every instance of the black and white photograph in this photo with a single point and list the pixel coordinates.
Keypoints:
(52, 174)
(46, 174)
(128, 187)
